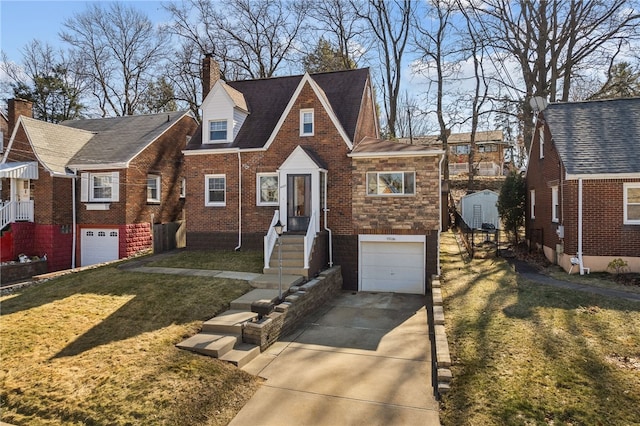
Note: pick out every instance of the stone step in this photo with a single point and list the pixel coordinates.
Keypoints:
(287, 271)
(241, 354)
(271, 280)
(230, 321)
(295, 253)
(243, 303)
(214, 345)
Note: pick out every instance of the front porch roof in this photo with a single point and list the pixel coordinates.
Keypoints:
(24, 170)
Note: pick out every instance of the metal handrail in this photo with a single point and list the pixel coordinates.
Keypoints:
(270, 239)
(308, 239)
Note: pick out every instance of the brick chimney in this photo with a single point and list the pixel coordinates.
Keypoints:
(210, 74)
(16, 108)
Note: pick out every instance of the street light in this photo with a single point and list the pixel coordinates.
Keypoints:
(278, 228)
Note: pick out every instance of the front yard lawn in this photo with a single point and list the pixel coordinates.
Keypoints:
(220, 260)
(525, 353)
(97, 347)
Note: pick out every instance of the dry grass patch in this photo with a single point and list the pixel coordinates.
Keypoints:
(596, 279)
(97, 347)
(526, 353)
(220, 260)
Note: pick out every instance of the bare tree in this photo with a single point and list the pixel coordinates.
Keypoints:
(123, 50)
(390, 23)
(481, 89)
(339, 22)
(439, 52)
(552, 39)
(249, 38)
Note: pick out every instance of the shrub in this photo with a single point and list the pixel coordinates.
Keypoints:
(618, 266)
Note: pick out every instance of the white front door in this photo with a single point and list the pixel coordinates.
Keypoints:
(392, 263)
(23, 190)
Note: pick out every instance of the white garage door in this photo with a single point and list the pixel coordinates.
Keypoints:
(98, 245)
(392, 263)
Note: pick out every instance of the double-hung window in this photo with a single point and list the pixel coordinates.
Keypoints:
(153, 189)
(267, 189)
(555, 205)
(391, 183)
(631, 203)
(99, 187)
(532, 202)
(306, 122)
(215, 187)
(218, 131)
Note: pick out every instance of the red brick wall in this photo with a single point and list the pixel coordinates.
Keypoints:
(542, 174)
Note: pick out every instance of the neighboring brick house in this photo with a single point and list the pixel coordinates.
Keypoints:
(583, 184)
(304, 150)
(88, 191)
(489, 157)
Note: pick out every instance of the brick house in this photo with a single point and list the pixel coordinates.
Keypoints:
(583, 184)
(88, 191)
(490, 153)
(305, 150)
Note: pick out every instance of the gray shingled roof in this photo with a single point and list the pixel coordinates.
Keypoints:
(267, 99)
(596, 137)
(53, 144)
(119, 139)
(370, 145)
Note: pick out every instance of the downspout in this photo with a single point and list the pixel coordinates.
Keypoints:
(440, 204)
(580, 226)
(73, 220)
(326, 228)
(239, 202)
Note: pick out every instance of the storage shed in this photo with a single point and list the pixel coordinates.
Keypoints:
(480, 208)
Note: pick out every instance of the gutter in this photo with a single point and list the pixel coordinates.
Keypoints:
(440, 212)
(579, 254)
(326, 228)
(239, 203)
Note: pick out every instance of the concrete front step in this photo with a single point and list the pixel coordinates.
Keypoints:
(228, 322)
(271, 280)
(241, 355)
(210, 344)
(243, 303)
(274, 271)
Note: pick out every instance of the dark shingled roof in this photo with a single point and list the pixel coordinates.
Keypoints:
(268, 98)
(120, 139)
(597, 136)
(370, 145)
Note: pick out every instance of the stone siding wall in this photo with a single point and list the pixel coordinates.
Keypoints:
(301, 301)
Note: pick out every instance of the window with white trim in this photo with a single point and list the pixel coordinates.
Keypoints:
(215, 188)
(532, 203)
(99, 187)
(183, 188)
(267, 189)
(391, 183)
(541, 140)
(306, 122)
(153, 189)
(631, 203)
(555, 205)
(218, 130)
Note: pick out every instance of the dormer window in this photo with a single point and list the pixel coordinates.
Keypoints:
(218, 131)
(306, 122)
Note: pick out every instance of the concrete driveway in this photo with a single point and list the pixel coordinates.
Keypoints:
(365, 359)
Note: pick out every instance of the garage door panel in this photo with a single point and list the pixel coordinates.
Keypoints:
(99, 245)
(392, 266)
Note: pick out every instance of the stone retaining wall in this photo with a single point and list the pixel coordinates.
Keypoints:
(14, 272)
(301, 301)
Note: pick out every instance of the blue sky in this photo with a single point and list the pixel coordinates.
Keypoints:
(23, 21)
